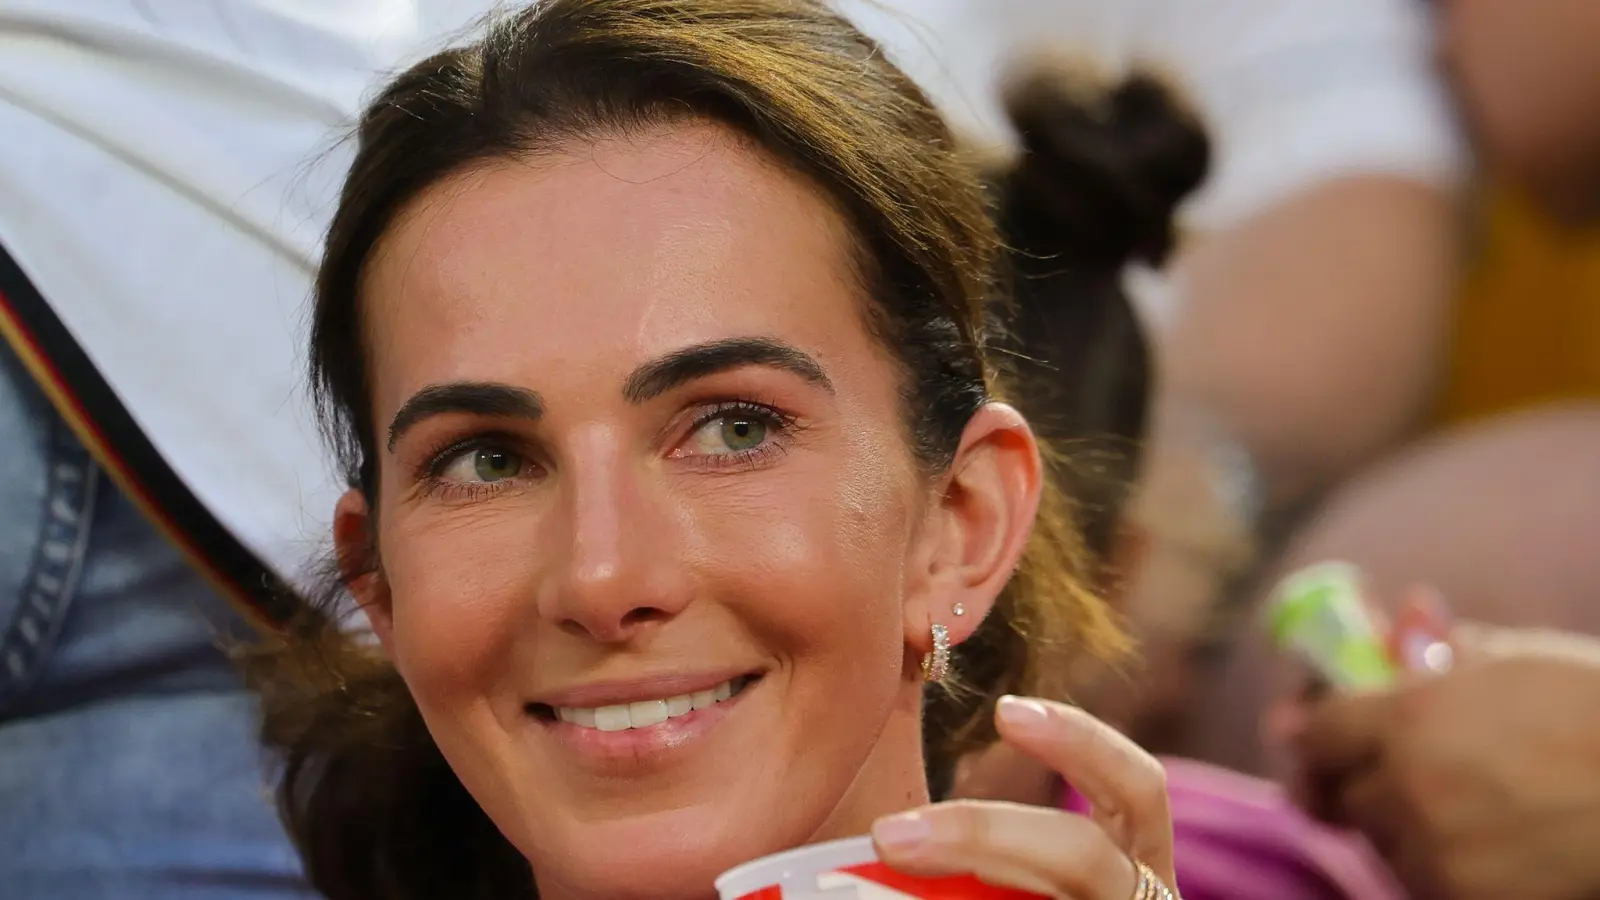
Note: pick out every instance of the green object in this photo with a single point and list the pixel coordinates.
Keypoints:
(1319, 614)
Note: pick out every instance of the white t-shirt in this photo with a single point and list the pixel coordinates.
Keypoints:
(167, 168)
(1292, 91)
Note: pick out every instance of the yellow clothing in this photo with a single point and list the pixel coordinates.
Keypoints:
(1528, 330)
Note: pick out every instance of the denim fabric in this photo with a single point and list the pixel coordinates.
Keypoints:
(128, 762)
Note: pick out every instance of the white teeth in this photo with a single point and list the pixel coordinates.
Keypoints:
(650, 712)
(584, 717)
(612, 718)
(645, 713)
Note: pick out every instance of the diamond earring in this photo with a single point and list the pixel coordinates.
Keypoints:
(936, 665)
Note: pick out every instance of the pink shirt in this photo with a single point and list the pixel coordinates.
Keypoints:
(1239, 838)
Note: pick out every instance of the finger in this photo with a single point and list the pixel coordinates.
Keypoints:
(1367, 803)
(1113, 773)
(1344, 733)
(1371, 805)
(1028, 848)
(1420, 638)
(1321, 792)
(1478, 643)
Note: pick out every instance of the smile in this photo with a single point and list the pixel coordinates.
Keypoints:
(648, 713)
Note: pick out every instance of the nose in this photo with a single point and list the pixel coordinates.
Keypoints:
(613, 572)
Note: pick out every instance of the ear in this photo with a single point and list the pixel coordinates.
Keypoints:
(357, 554)
(976, 527)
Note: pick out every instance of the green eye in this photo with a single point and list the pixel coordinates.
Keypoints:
(495, 465)
(740, 433)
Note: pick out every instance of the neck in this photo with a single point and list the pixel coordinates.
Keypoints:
(893, 779)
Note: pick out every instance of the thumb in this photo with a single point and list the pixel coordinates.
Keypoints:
(1475, 641)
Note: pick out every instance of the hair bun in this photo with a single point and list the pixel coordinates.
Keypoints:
(1101, 173)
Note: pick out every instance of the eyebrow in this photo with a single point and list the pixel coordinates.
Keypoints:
(648, 381)
(484, 398)
(680, 367)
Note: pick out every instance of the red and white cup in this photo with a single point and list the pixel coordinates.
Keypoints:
(846, 870)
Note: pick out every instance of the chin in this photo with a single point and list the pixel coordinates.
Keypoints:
(660, 811)
(670, 855)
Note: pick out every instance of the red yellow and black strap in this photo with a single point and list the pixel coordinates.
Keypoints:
(95, 414)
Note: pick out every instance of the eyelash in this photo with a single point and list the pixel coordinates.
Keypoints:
(431, 474)
(781, 427)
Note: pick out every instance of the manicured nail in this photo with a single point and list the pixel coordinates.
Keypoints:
(1021, 712)
(1424, 653)
(903, 832)
(1424, 627)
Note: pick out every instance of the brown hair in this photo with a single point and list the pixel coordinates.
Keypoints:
(367, 796)
(1095, 187)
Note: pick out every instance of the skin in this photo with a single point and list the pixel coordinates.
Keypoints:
(1529, 81)
(1479, 783)
(1420, 517)
(627, 540)
(1464, 805)
(1312, 332)
(1473, 784)
(1467, 787)
(1315, 329)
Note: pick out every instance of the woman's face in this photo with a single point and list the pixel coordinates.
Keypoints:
(655, 558)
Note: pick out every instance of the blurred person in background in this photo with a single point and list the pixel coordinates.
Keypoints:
(1503, 514)
(1302, 329)
(1483, 781)
(158, 224)
(1498, 506)
(1094, 188)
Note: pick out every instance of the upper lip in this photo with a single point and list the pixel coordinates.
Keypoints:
(657, 687)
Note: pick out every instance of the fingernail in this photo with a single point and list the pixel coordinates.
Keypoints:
(1424, 653)
(1021, 712)
(902, 832)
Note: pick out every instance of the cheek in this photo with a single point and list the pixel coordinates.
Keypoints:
(811, 557)
(458, 585)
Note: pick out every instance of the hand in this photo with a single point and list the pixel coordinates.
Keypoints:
(1480, 783)
(1047, 851)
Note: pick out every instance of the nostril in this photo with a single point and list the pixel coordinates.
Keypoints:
(644, 615)
(600, 626)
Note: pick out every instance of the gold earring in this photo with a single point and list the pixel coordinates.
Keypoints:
(936, 665)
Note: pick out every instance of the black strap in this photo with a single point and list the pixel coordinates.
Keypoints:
(88, 403)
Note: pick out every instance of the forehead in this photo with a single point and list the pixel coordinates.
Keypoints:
(605, 255)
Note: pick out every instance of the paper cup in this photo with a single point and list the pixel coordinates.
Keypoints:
(845, 870)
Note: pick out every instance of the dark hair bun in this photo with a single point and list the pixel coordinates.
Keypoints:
(1101, 173)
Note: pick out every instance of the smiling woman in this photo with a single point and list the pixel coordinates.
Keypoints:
(654, 338)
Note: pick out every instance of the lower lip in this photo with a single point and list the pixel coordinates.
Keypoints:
(643, 746)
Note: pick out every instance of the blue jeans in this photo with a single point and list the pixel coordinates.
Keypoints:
(129, 767)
